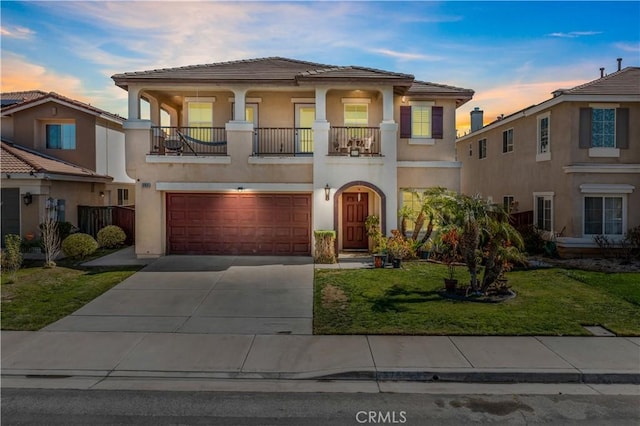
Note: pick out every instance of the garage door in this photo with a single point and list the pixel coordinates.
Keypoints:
(252, 224)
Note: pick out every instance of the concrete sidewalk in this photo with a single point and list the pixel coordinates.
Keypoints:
(93, 360)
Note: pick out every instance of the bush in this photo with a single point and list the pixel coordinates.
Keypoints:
(325, 246)
(79, 245)
(111, 236)
(11, 256)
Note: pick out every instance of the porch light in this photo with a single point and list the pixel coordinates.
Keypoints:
(327, 192)
(240, 189)
(101, 194)
(27, 199)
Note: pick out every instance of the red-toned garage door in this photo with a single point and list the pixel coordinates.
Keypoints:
(254, 224)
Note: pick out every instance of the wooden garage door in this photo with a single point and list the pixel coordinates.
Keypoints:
(252, 224)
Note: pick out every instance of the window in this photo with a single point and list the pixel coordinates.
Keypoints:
(55, 209)
(543, 211)
(200, 114)
(603, 215)
(604, 130)
(123, 196)
(356, 115)
(421, 122)
(482, 148)
(507, 141)
(507, 203)
(543, 151)
(470, 150)
(603, 126)
(61, 136)
(411, 199)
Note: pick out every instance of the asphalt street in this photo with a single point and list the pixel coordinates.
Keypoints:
(74, 407)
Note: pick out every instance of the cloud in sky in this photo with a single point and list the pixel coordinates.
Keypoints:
(406, 55)
(628, 47)
(17, 32)
(574, 34)
(19, 74)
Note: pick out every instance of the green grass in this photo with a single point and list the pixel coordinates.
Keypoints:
(34, 297)
(407, 301)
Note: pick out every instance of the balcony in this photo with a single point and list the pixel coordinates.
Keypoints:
(354, 141)
(198, 141)
(283, 141)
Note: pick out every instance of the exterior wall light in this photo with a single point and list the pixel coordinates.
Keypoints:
(101, 194)
(327, 192)
(27, 199)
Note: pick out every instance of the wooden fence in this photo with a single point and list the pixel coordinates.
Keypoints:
(91, 219)
(521, 219)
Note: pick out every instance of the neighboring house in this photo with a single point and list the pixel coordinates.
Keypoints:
(58, 153)
(573, 160)
(249, 157)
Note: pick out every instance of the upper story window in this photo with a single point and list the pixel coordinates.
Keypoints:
(421, 122)
(543, 150)
(60, 136)
(507, 141)
(604, 129)
(482, 148)
(356, 115)
(200, 114)
(470, 150)
(123, 196)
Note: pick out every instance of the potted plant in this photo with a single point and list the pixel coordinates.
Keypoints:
(450, 241)
(378, 241)
(398, 247)
(425, 250)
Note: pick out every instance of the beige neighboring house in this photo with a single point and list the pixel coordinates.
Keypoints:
(252, 156)
(573, 161)
(58, 153)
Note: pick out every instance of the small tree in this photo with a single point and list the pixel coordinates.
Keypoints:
(51, 242)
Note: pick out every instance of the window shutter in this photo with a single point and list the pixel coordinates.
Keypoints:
(437, 122)
(405, 122)
(622, 128)
(585, 128)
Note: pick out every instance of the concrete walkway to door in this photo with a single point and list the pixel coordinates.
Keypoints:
(205, 294)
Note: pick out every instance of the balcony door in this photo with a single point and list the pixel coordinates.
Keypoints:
(305, 116)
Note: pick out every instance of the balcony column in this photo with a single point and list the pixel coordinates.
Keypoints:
(134, 102)
(387, 105)
(154, 107)
(240, 104)
(321, 103)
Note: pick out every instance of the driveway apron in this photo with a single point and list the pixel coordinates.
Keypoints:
(205, 294)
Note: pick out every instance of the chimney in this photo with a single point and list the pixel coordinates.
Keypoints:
(619, 63)
(601, 72)
(476, 119)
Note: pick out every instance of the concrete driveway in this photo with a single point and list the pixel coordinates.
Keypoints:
(205, 294)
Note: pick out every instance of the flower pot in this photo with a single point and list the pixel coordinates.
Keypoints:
(396, 262)
(450, 285)
(379, 260)
(425, 255)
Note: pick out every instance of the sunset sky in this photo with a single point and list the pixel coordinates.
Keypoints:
(512, 54)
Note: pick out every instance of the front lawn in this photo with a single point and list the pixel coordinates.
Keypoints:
(407, 301)
(34, 297)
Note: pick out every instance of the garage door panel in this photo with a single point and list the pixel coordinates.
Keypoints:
(239, 224)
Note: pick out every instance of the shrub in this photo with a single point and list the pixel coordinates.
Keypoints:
(111, 236)
(12, 257)
(325, 246)
(79, 245)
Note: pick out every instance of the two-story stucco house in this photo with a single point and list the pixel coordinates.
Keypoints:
(58, 153)
(249, 157)
(574, 160)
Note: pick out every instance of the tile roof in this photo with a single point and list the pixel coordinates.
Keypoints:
(18, 159)
(426, 89)
(623, 82)
(266, 70)
(16, 101)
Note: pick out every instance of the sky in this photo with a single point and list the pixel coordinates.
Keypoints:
(512, 54)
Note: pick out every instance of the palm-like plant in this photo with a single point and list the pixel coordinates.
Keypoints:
(503, 246)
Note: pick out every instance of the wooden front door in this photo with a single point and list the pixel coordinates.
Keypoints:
(355, 209)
